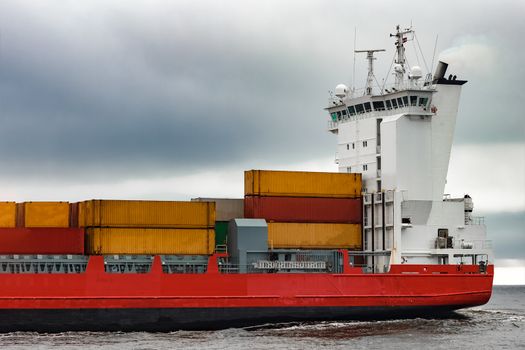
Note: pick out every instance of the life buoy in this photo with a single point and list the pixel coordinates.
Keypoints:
(433, 109)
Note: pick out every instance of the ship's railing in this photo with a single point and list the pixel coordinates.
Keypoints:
(451, 243)
(229, 268)
(284, 261)
(475, 220)
(472, 244)
(370, 262)
(391, 87)
(72, 264)
(117, 264)
(306, 262)
(184, 263)
(221, 248)
(275, 267)
(128, 263)
(171, 264)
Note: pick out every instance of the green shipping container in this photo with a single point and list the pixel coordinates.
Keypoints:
(221, 232)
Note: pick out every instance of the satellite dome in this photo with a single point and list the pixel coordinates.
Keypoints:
(415, 72)
(341, 90)
(398, 68)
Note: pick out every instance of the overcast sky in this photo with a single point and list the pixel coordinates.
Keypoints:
(174, 99)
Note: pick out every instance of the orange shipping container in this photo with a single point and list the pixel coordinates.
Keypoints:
(125, 213)
(314, 236)
(7, 214)
(149, 241)
(301, 184)
(46, 214)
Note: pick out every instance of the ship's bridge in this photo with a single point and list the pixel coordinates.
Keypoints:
(410, 101)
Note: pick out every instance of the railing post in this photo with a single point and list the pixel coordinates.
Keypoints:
(156, 265)
(346, 260)
(213, 263)
(95, 264)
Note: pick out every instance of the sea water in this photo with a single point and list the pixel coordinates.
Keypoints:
(498, 325)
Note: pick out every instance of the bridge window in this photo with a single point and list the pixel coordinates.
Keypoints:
(388, 104)
(368, 107)
(347, 147)
(334, 116)
(413, 100)
(351, 110)
(365, 143)
(394, 103)
(359, 109)
(365, 167)
(423, 102)
(344, 111)
(379, 105)
(400, 102)
(405, 100)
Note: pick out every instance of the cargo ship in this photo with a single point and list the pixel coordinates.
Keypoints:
(379, 239)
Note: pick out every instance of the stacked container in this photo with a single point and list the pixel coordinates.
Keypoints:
(147, 227)
(226, 209)
(306, 210)
(38, 228)
(7, 214)
(46, 214)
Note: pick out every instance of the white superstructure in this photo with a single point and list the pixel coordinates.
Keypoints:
(400, 139)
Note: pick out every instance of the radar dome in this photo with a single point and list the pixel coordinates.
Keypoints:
(341, 90)
(415, 72)
(398, 68)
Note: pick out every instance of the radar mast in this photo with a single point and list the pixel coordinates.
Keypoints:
(401, 39)
(370, 78)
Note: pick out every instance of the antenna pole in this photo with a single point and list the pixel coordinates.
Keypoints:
(400, 49)
(434, 55)
(370, 79)
(353, 72)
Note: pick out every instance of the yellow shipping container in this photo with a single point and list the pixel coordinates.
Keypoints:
(301, 184)
(125, 213)
(310, 236)
(7, 214)
(149, 241)
(46, 214)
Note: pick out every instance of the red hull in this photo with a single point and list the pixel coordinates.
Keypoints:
(405, 285)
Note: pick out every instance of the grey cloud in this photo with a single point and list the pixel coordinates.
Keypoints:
(99, 92)
(506, 232)
(136, 90)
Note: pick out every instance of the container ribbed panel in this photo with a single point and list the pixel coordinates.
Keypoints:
(46, 214)
(7, 214)
(149, 241)
(310, 236)
(160, 214)
(301, 184)
(304, 209)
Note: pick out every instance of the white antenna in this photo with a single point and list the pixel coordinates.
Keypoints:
(434, 54)
(400, 61)
(353, 72)
(370, 79)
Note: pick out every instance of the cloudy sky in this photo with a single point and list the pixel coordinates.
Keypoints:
(174, 99)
